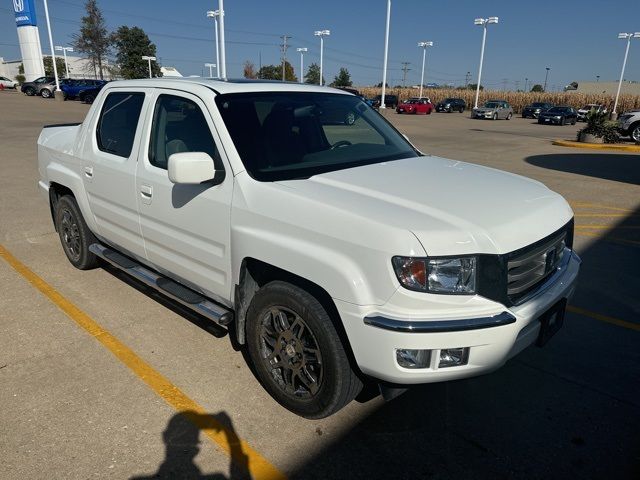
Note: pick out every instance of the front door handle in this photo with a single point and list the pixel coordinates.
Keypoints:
(88, 172)
(146, 193)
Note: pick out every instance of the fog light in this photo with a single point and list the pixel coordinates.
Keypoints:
(453, 357)
(408, 358)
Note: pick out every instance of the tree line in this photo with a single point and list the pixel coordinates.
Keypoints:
(129, 44)
(274, 72)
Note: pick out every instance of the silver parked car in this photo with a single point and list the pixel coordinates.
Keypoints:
(493, 110)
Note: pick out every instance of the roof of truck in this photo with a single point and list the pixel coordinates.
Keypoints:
(225, 86)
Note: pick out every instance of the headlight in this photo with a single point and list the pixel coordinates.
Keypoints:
(557, 117)
(453, 275)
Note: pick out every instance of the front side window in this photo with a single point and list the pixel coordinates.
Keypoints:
(118, 122)
(179, 126)
(288, 135)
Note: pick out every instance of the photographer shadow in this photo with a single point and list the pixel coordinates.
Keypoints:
(182, 445)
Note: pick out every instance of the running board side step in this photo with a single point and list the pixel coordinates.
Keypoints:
(181, 294)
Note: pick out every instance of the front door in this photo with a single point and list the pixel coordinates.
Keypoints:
(186, 228)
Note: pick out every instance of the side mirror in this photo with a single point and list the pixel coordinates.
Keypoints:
(191, 168)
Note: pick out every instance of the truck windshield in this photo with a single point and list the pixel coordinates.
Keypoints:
(290, 135)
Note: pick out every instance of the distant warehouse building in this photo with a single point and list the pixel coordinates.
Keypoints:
(606, 88)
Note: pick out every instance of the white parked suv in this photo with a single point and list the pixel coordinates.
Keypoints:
(334, 251)
(629, 125)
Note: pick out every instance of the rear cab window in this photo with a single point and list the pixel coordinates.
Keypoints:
(117, 125)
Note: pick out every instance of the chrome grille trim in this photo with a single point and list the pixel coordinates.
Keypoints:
(533, 266)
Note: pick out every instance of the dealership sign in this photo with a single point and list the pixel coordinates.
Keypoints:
(25, 12)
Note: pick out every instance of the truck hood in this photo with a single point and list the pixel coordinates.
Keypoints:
(451, 207)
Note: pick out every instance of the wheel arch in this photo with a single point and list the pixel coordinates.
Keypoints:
(255, 273)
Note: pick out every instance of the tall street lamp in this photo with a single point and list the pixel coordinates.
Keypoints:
(215, 14)
(627, 37)
(526, 80)
(482, 22)
(424, 46)
(64, 51)
(149, 59)
(386, 55)
(53, 55)
(302, 50)
(223, 48)
(546, 77)
(211, 65)
(321, 34)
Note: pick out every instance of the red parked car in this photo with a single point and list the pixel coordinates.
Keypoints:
(422, 106)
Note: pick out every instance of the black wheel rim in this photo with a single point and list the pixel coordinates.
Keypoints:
(70, 234)
(290, 353)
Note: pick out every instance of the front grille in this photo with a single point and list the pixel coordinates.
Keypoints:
(530, 266)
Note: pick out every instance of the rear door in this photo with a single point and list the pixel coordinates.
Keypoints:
(186, 228)
(109, 154)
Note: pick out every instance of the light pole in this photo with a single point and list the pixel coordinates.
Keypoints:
(211, 65)
(215, 14)
(53, 55)
(627, 37)
(148, 59)
(321, 34)
(223, 48)
(526, 80)
(483, 22)
(64, 51)
(302, 50)
(545, 78)
(597, 78)
(386, 54)
(424, 46)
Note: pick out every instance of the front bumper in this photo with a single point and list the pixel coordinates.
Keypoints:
(492, 332)
(483, 114)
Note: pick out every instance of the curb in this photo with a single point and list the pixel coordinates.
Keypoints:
(597, 146)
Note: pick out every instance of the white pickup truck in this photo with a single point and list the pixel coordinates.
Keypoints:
(300, 219)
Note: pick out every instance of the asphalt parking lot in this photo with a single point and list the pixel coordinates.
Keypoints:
(99, 378)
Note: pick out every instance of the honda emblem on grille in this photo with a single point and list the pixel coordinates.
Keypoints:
(550, 261)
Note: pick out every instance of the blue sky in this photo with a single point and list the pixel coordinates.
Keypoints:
(577, 39)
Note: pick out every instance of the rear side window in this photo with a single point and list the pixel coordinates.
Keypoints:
(118, 122)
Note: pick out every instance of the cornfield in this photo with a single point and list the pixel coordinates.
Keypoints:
(518, 100)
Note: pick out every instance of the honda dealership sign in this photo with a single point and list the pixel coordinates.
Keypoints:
(25, 13)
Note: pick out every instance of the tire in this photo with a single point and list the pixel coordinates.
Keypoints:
(573, 121)
(29, 91)
(634, 132)
(284, 324)
(89, 98)
(461, 110)
(562, 122)
(44, 93)
(495, 116)
(509, 116)
(74, 234)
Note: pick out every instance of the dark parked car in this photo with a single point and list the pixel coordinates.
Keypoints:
(390, 101)
(34, 87)
(72, 88)
(559, 116)
(89, 95)
(533, 110)
(451, 105)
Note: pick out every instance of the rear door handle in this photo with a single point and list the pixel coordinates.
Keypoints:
(146, 193)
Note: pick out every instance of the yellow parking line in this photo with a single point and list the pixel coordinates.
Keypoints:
(609, 227)
(604, 318)
(596, 205)
(257, 465)
(623, 241)
(605, 215)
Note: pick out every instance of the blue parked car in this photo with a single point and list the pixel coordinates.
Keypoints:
(71, 88)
